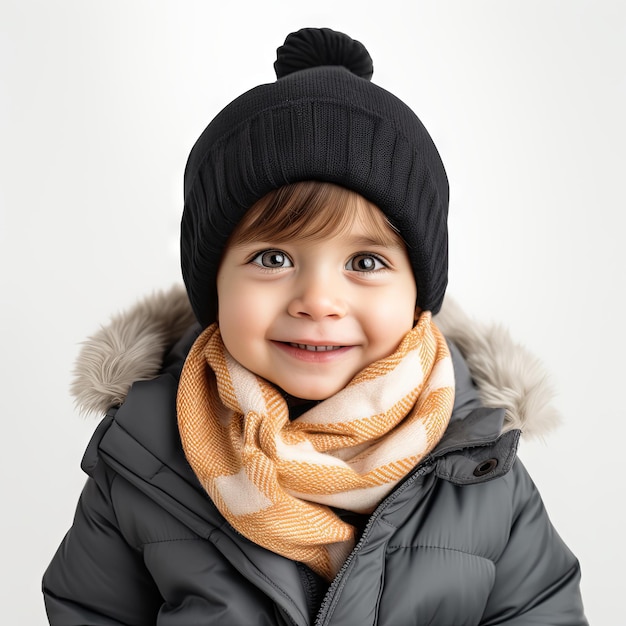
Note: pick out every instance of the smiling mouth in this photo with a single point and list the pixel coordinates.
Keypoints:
(304, 346)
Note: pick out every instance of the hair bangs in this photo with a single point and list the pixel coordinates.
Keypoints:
(312, 210)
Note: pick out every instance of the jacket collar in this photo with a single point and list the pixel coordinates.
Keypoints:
(132, 347)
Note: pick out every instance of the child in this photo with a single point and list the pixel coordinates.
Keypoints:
(312, 450)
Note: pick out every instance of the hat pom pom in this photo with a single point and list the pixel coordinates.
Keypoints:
(313, 47)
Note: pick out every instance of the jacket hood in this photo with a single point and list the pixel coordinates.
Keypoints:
(132, 346)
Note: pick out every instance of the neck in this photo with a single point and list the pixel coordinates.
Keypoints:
(297, 406)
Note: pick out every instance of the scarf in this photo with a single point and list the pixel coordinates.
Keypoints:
(275, 480)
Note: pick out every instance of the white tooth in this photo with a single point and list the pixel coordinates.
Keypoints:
(304, 346)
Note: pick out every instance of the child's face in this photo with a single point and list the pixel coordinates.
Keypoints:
(309, 315)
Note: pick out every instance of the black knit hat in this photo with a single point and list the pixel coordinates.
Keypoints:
(321, 120)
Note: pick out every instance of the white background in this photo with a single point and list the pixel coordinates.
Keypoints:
(100, 103)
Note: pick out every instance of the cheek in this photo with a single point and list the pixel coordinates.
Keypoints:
(399, 320)
(390, 319)
(242, 315)
(236, 332)
(229, 308)
(402, 306)
(231, 314)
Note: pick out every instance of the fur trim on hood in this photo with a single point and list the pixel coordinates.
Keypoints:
(131, 348)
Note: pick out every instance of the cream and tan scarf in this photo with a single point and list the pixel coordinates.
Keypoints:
(274, 479)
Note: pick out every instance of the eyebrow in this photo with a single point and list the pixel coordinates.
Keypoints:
(360, 240)
(369, 240)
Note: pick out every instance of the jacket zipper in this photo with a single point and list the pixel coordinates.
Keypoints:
(330, 596)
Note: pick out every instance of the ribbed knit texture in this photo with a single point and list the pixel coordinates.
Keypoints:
(320, 123)
(274, 479)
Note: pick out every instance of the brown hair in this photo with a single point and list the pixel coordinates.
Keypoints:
(311, 210)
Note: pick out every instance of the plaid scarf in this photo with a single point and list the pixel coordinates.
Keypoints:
(275, 480)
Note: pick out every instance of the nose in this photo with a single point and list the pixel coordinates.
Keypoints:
(317, 297)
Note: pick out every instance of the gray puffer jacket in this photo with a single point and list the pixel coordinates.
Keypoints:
(463, 540)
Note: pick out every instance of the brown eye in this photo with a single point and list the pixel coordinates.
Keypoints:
(365, 263)
(272, 259)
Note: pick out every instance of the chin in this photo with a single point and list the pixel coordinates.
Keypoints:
(310, 394)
